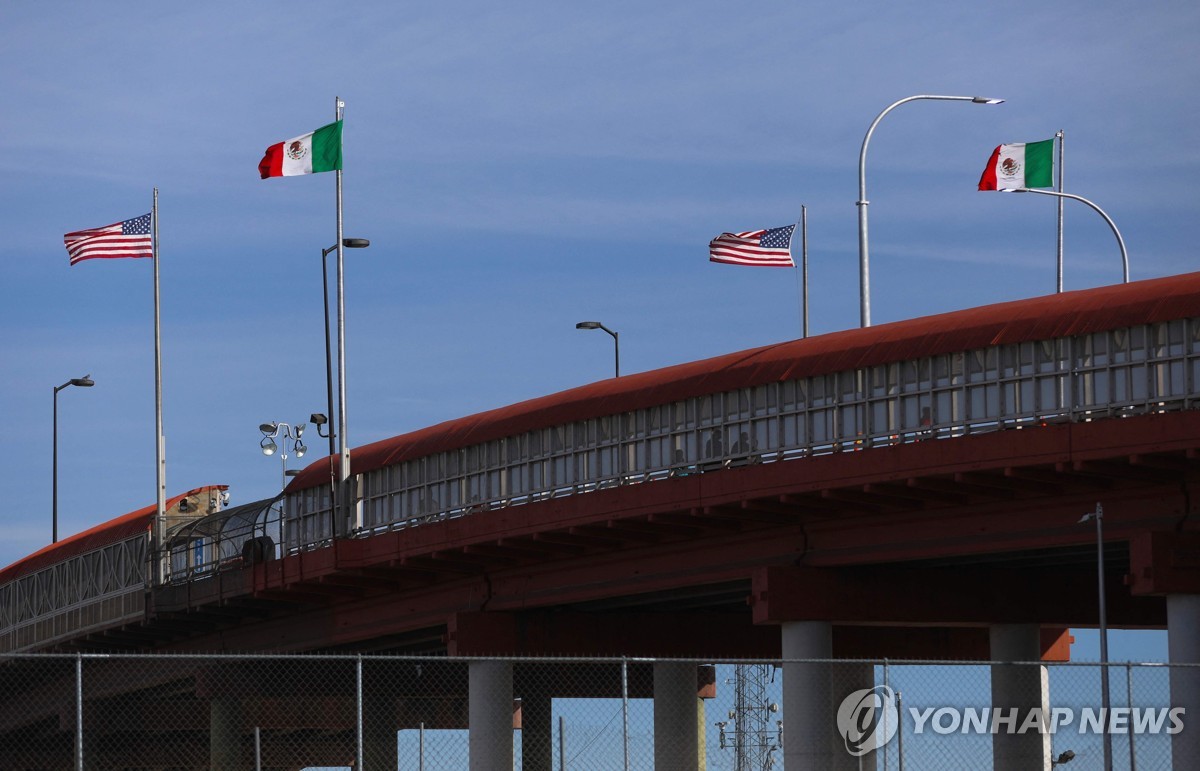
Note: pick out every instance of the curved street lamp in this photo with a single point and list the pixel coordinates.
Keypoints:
(1081, 199)
(864, 280)
(82, 382)
(616, 340)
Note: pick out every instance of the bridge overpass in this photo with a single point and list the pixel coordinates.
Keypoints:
(911, 490)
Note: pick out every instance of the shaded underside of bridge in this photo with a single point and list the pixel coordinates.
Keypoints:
(910, 551)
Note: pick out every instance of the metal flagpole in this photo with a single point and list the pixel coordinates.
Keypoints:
(802, 271)
(344, 496)
(1060, 210)
(159, 442)
(804, 260)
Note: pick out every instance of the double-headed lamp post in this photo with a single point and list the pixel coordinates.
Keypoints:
(864, 279)
(83, 382)
(282, 431)
(616, 341)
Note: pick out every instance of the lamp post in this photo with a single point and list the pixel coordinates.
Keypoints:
(282, 431)
(864, 280)
(616, 341)
(83, 382)
(1098, 515)
(1098, 210)
(348, 243)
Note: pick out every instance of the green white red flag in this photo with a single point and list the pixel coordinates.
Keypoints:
(316, 151)
(1025, 164)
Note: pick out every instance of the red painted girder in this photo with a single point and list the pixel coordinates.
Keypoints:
(958, 596)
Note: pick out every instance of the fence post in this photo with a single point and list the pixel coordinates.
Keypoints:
(625, 709)
(358, 694)
(1129, 702)
(78, 712)
(562, 744)
(886, 684)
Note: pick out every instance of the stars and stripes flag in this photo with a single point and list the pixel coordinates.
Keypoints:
(768, 248)
(130, 238)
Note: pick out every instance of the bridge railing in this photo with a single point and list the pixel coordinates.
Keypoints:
(415, 712)
(94, 590)
(1110, 374)
(232, 538)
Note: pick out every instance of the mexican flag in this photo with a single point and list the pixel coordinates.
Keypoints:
(1025, 164)
(319, 150)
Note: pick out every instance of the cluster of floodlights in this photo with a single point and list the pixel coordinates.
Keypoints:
(283, 431)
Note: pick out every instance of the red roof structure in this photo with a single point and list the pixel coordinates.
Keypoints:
(95, 538)
(1040, 318)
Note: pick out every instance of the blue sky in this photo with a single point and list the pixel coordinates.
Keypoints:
(519, 168)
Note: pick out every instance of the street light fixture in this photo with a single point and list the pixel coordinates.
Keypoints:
(82, 382)
(1098, 515)
(282, 431)
(1112, 225)
(864, 279)
(349, 243)
(616, 341)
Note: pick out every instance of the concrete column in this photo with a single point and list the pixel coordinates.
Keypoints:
(380, 748)
(1019, 689)
(809, 720)
(537, 738)
(226, 730)
(846, 679)
(489, 715)
(1183, 647)
(675, 736)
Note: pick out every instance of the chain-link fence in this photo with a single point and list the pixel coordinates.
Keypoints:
(93, 711)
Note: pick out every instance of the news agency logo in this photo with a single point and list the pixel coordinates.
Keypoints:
(867, 719)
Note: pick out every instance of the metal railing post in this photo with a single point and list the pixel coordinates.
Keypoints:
(421, 746)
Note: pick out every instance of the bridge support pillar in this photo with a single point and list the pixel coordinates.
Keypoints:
(490, 715)
(809, 717)
(380, 745)
(226, 728)
(847, 678)
(537, 734)
(676, 738)
(1183, 647)
(1017, 689)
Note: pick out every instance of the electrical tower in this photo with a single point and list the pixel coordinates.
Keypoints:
(756, 736)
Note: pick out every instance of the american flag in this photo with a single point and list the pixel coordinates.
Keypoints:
(771, 248)
(130, 238)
